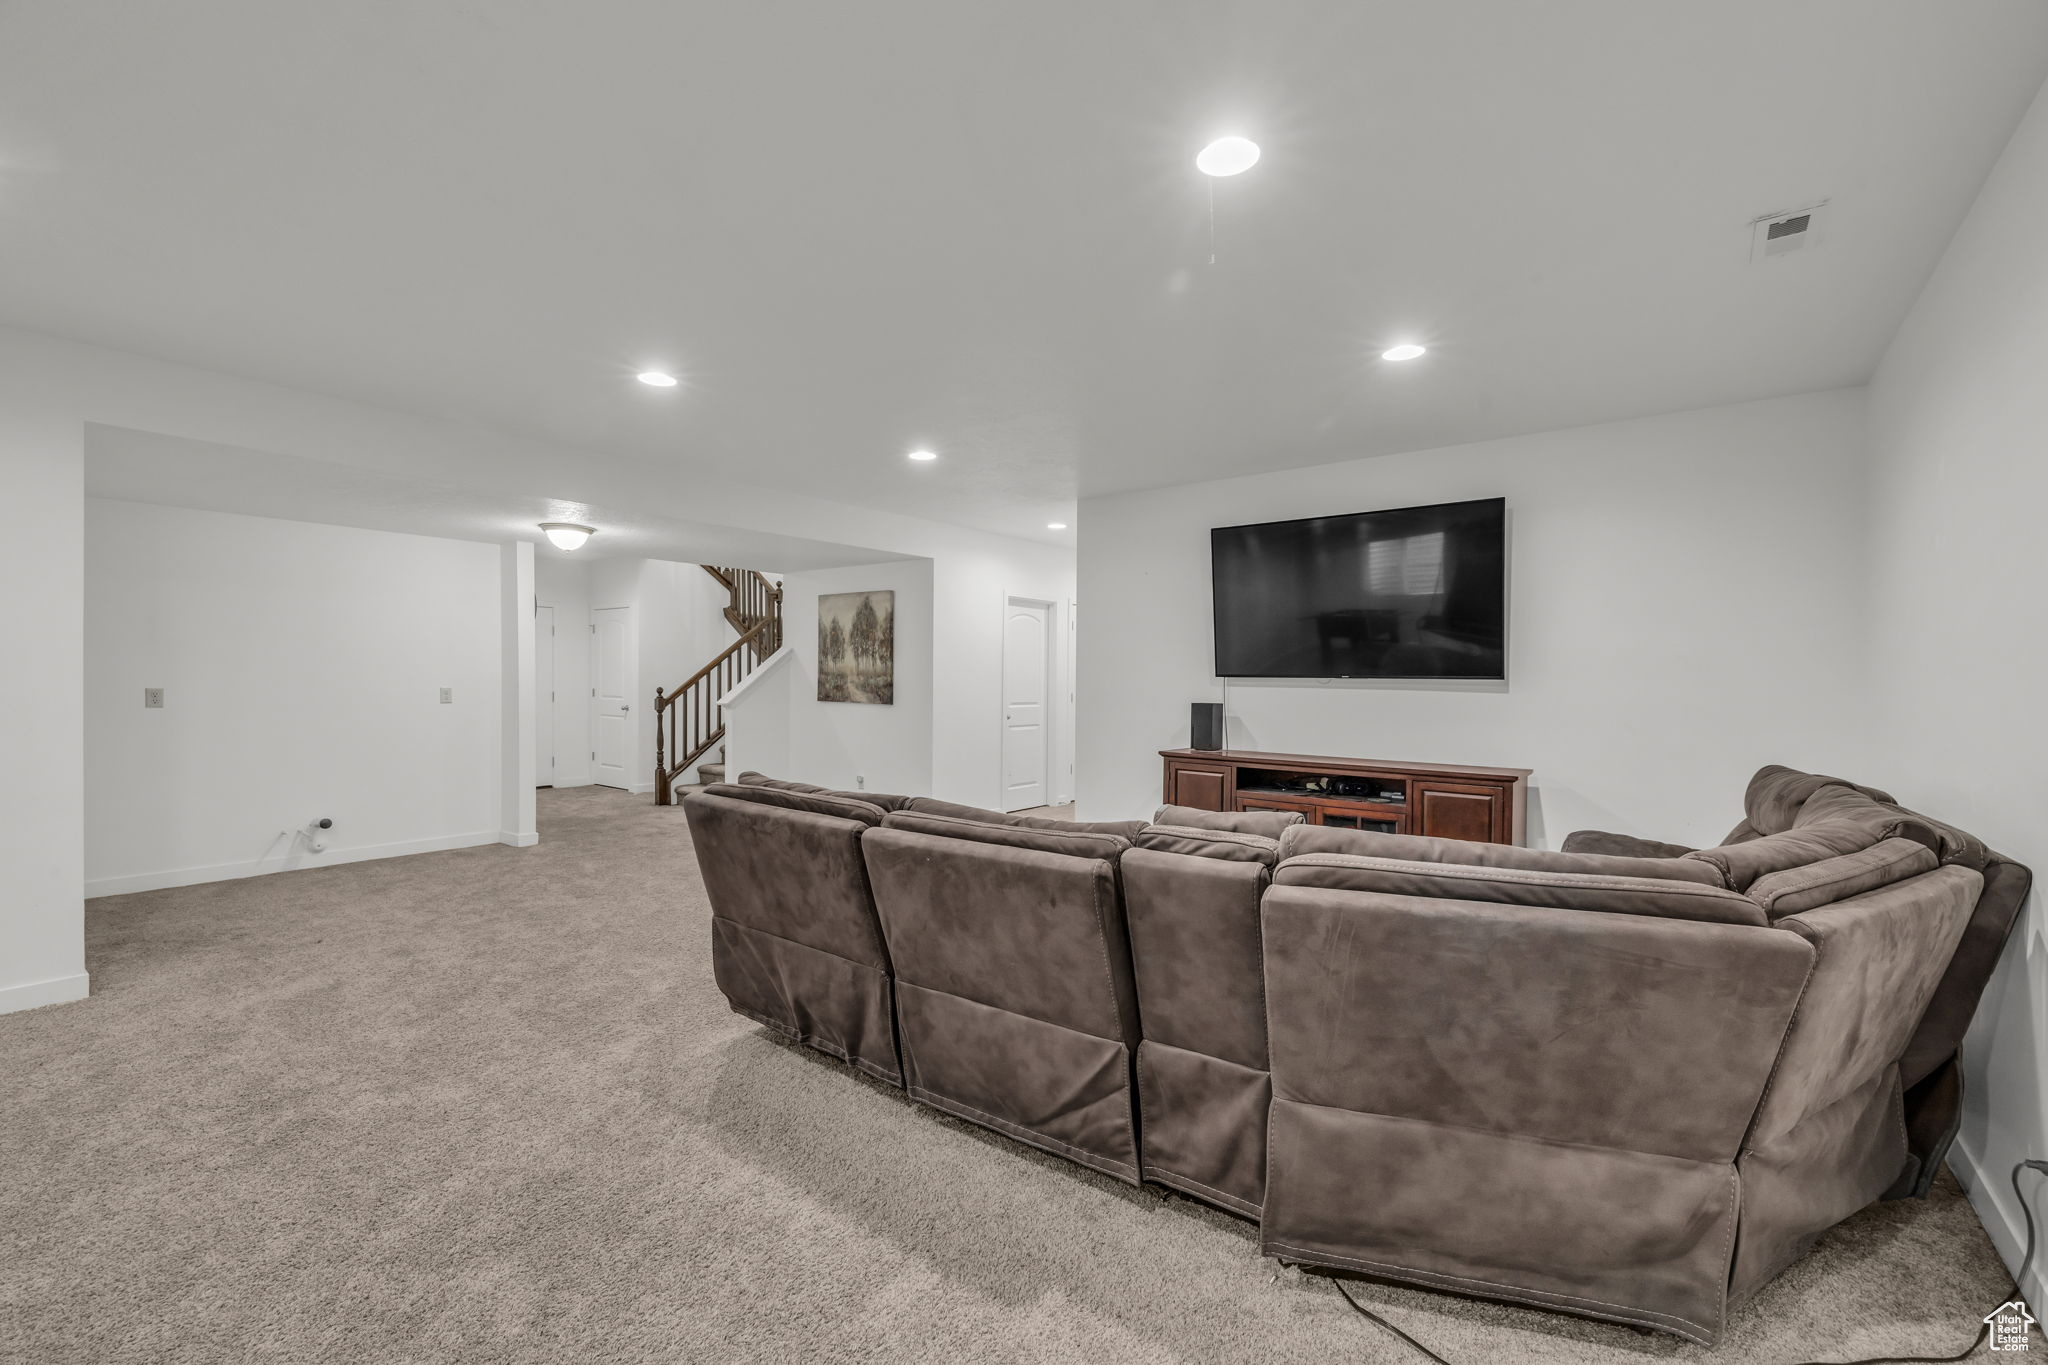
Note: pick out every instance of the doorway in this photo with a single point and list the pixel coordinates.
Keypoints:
(1027, 703)
(544, 696)
(614, 665)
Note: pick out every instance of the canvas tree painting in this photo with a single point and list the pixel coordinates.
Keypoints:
(857, 647)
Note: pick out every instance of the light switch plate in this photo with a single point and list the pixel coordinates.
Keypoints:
(447, 696)
(153, 698)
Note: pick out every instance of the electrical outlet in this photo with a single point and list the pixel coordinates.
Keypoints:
(447, 696)
(860, 782)
(153, 698)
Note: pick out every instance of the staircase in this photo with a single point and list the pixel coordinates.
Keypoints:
(688, 720)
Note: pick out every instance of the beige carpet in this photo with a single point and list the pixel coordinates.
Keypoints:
(486, 1106)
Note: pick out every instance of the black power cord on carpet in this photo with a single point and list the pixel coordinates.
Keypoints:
(2026, 1263)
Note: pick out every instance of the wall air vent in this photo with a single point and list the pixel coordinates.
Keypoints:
(1781, 234)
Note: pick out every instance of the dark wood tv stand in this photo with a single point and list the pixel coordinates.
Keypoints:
(1442, 800)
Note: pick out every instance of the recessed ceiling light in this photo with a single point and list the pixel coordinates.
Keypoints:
(1055, 526)
(1227, 156)
(656, 379)
(567, 535)
(923, 455)
(1407, 350)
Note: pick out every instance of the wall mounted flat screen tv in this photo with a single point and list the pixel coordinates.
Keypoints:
(1416, 592)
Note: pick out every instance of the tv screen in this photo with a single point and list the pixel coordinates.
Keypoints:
(1417, 592)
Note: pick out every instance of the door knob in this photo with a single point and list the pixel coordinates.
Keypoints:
(625, 708)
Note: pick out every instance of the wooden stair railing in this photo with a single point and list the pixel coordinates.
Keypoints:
(755, 598)
(690, 719)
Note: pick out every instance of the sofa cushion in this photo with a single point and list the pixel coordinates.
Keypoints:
(886, 800)
(1857, 804)
(881, 799)
(819, 802)
(1223, 844)
(1834, 879)
(1663, 898)
(1304, 839)
(1777, 794)
(925, 805)
(1270, 823)
(1621, 845)
(1741, 864)
(1073, 843)
(754, 779)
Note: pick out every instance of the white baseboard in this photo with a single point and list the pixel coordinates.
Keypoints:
(58, 990)
(528, 840)
(1991, 1195)
(641, 789)
(221, 872)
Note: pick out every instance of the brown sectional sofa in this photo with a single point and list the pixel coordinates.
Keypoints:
(1629, 1080)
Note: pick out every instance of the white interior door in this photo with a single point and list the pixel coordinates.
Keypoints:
(614, 664)
(1026, 710)
(543, 696)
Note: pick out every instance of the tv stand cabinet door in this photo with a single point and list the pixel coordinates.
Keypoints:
(1444, 810)
(1203, 786)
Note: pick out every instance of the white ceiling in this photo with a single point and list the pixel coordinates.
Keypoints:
(144, 466)
(856, 228)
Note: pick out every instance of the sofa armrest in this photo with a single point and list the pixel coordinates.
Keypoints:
(1618, 1031)
(1621, 845)
(1877, 959)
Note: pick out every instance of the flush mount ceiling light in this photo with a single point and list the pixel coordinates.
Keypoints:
(1227, 156)
(922, 455)
(656, 379)
(567, 535)
(1407, 350)
(1055, 526)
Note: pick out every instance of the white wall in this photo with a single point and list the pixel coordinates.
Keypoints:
(1683, 606)
(518, 810)
(970, 590)
(42, 810)
(1958, 645)
(564, 584)
(943, 736)
(757, 719)
(302, 666)
(846, 744)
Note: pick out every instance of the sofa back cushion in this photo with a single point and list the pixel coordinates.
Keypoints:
(788, 797)
(1074, 843)
(925, 805)
(785, 869)
(1194, 924)
(1950, 844)
(1305, 839)
(1016, 929)
(750, 778)
(1664, 898)
(1739, 865)
(1799, 889)
(881, 799)
(1777, 794)
(1269, 823)
(1220, 844)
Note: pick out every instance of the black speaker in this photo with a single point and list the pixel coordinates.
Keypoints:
(1205, 725)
